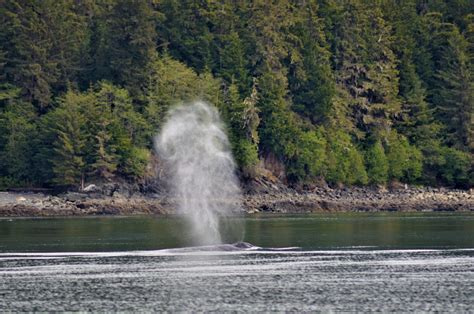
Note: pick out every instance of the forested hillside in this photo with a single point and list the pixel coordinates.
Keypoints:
(352, 92)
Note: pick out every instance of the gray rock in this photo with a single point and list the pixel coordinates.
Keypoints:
(20, 199)
(91, 188)
(118, 195)
(73, 196)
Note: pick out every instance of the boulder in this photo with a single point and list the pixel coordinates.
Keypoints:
(20, 199)
(91, 188)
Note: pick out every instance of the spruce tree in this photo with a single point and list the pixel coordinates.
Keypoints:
(453, 94)
(377, 164)
(41, 41)
(307, 87)
(242, 118)
(311, 80)
(404, 160)
(124, 44)
(185, 32)
(17, 142)
(69, 166)
(228, 48)
(118, 132)
(171, 82)
(365, 67)
(344, 161)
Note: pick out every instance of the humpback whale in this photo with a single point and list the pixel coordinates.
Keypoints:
(235, 247)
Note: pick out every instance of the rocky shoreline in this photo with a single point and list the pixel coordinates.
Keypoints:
(362, 200)
(266, 198)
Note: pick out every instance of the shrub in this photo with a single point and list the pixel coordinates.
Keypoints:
(344, 163)
(405, 161)
(246, 155)
(456, 169)
(134, 163)
(377, 164)
(309, 161)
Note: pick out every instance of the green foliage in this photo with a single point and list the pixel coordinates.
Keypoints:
(377, 164)
(416, 119)
(17, 128)
(353, 92)
(457, 168)
(9, 182)
(278, 128)
(453, 90)
(117, 132)
(404, 160)
(123, 43)
(69, 166)
(42, 41)
(8, 92)
(246, 155)
(95, 134)
(115, 104)
(232, 61)
(310, 78)
(309, 160)
(242, 119)
(344, 162)
(135, 161)
(171, 82)
(365, 65)
(185, 31)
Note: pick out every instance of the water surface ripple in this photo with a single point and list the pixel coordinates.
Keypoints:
(340, 280)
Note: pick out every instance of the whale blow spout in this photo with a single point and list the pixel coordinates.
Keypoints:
(196, 151)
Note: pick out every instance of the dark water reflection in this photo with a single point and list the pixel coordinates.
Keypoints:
(319, 231)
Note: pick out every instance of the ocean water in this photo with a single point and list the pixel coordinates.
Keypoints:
(343, 262)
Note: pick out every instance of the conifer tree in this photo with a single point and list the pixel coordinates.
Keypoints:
(344, 162)
(17, 145)
(185, 32)
(278, 125)
(228, 48)
(377, 164)
(416, 120)
(41, 41)
(453, 94)
(243, 121)
(404, 160)
(310, 88)
(171, 82)
(310, 78)
(118, 131)
(365, 67)
(125, 41)
(69, 166)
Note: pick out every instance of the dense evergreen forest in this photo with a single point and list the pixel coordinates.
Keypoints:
(350, 92)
